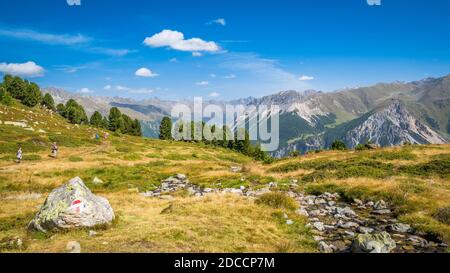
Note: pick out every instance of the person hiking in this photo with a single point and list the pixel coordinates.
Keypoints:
(19, 154)
(54, 150)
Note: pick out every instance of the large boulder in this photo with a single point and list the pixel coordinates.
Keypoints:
(72, 205)
(373, 243)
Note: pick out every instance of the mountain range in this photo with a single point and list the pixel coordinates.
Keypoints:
(387, 114)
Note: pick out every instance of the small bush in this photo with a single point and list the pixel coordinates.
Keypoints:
(443, 215)
(277, 200)
(338, 145)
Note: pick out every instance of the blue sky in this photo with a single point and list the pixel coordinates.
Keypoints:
(142, 49)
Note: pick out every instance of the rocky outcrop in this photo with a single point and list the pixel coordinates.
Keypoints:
(70, 206)
(373, 243)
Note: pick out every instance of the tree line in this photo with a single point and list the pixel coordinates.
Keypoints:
(29, 94)
(243, 146)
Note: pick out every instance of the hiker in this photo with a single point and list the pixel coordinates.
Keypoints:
(54, 150)
(19, 154)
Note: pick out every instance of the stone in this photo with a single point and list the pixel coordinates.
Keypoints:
(320, 201)
(325, 248)
(358, 202)
(382, 211)
(348, 225)
(399, 227)
(73, 247)
(92, 233)
(97, 181)
(349, 233)
(289, 222)
(380, 205)
(373, 243)
(315, 213)
(181, 176)
(331, 203)
(70, 206)
(236, 169)
(418, 241)
(319, 226)
(364, 230)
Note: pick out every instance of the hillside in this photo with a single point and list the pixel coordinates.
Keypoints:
(413, 180)
(308, 119)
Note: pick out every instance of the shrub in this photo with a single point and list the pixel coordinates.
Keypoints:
(277, 200)
(338, 145)
(5, 97)
(443, 215)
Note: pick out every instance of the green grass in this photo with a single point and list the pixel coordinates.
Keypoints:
(75, 159)
(277, 200)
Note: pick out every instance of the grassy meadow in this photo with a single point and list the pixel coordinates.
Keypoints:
(415, 179)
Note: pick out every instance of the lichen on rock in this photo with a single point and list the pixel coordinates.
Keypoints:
(70, 206)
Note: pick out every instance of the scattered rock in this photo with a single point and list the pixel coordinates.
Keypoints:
(72, 205)
(73, 247)
(97, 181)
(373, 243)
(364, 230)
(382, 211)
(302, 211)
(325, 248)
(399, 227)
(92, 233)
(289, 222)
(380, 205)
(236, 169)
(319, 226)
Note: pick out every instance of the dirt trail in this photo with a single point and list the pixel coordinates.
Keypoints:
(48, 162)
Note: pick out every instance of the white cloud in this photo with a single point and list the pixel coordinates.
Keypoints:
(145, 72)
(173, 60)
(219, 21)
(197, 54)
(134, 90)
(85, 90)
(28, 69)
(110, 51)
(202, 83)
(213, 75)
(76, 41)
(306, 78)
(108, 87)
(232, 76)
(48, 38)
(175, 40)
(214, 95)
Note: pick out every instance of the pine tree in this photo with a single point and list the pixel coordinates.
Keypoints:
(15, 86)
(48, 102)
(165, 129)
(116, 122)
(105, 123)
(128, 125)
(61, 109)
(96, 120)
(137, 129)
(33, 95)
(75, 113)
